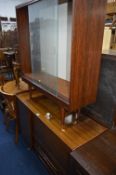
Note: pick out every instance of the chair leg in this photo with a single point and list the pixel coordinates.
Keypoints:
(5, 119)
(7, 123)
(16, 133)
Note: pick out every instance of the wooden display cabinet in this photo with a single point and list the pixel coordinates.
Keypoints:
(60, 44)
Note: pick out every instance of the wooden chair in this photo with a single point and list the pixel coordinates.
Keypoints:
(17, 72)
(4, 66)
(10, 111)
(2, 81)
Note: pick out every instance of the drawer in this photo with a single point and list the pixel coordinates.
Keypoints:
(48, 160)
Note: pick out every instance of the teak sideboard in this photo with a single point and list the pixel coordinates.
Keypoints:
(45, 136)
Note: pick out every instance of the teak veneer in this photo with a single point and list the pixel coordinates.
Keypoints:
(97, 157)
(59, 86)
(75, 135)
(87, 25)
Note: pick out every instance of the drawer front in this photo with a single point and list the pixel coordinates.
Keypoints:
(76, 169)
(48, 160)
(51, 143)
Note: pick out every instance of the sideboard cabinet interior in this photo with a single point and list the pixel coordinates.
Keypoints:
(60, 45)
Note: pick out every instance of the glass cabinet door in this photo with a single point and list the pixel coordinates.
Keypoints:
(50, 45)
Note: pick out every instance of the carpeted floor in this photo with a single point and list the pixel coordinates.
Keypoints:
(17, 159)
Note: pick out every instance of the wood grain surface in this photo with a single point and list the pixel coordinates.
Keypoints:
(74, 135)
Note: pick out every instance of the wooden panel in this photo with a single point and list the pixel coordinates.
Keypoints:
(87, 36)
(48, 160)
(58, 86)
(57, 99)
(76, 169)
(53, 146)
(99, 155)
(23, 30)
(75, 135)
(24, 122)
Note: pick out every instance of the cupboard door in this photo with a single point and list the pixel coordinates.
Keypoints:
(24, 122)
(54, 148)
(47, 160)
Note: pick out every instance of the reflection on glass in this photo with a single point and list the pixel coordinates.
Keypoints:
(50, 43)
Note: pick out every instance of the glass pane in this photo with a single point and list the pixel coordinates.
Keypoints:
(50, 38)
(64, 47)
(43, 38)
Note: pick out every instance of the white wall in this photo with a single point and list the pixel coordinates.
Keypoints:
(106, 39)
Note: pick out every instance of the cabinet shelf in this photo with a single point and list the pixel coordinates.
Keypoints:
(63, 87)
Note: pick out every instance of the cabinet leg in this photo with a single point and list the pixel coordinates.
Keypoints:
(63, 119)
(114, 121)
(31, 130)
(30, 91)
(76, 116)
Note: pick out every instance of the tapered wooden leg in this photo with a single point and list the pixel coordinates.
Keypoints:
(17, 132)
(31, 130)
(76, 116)
(63, 119)
(17, 124)
(30, 91)
(5, 117)
(114, 121)
(7, 123)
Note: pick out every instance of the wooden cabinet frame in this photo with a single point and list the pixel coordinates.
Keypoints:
(87, 35)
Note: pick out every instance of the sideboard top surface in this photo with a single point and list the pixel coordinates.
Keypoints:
(74, 135)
